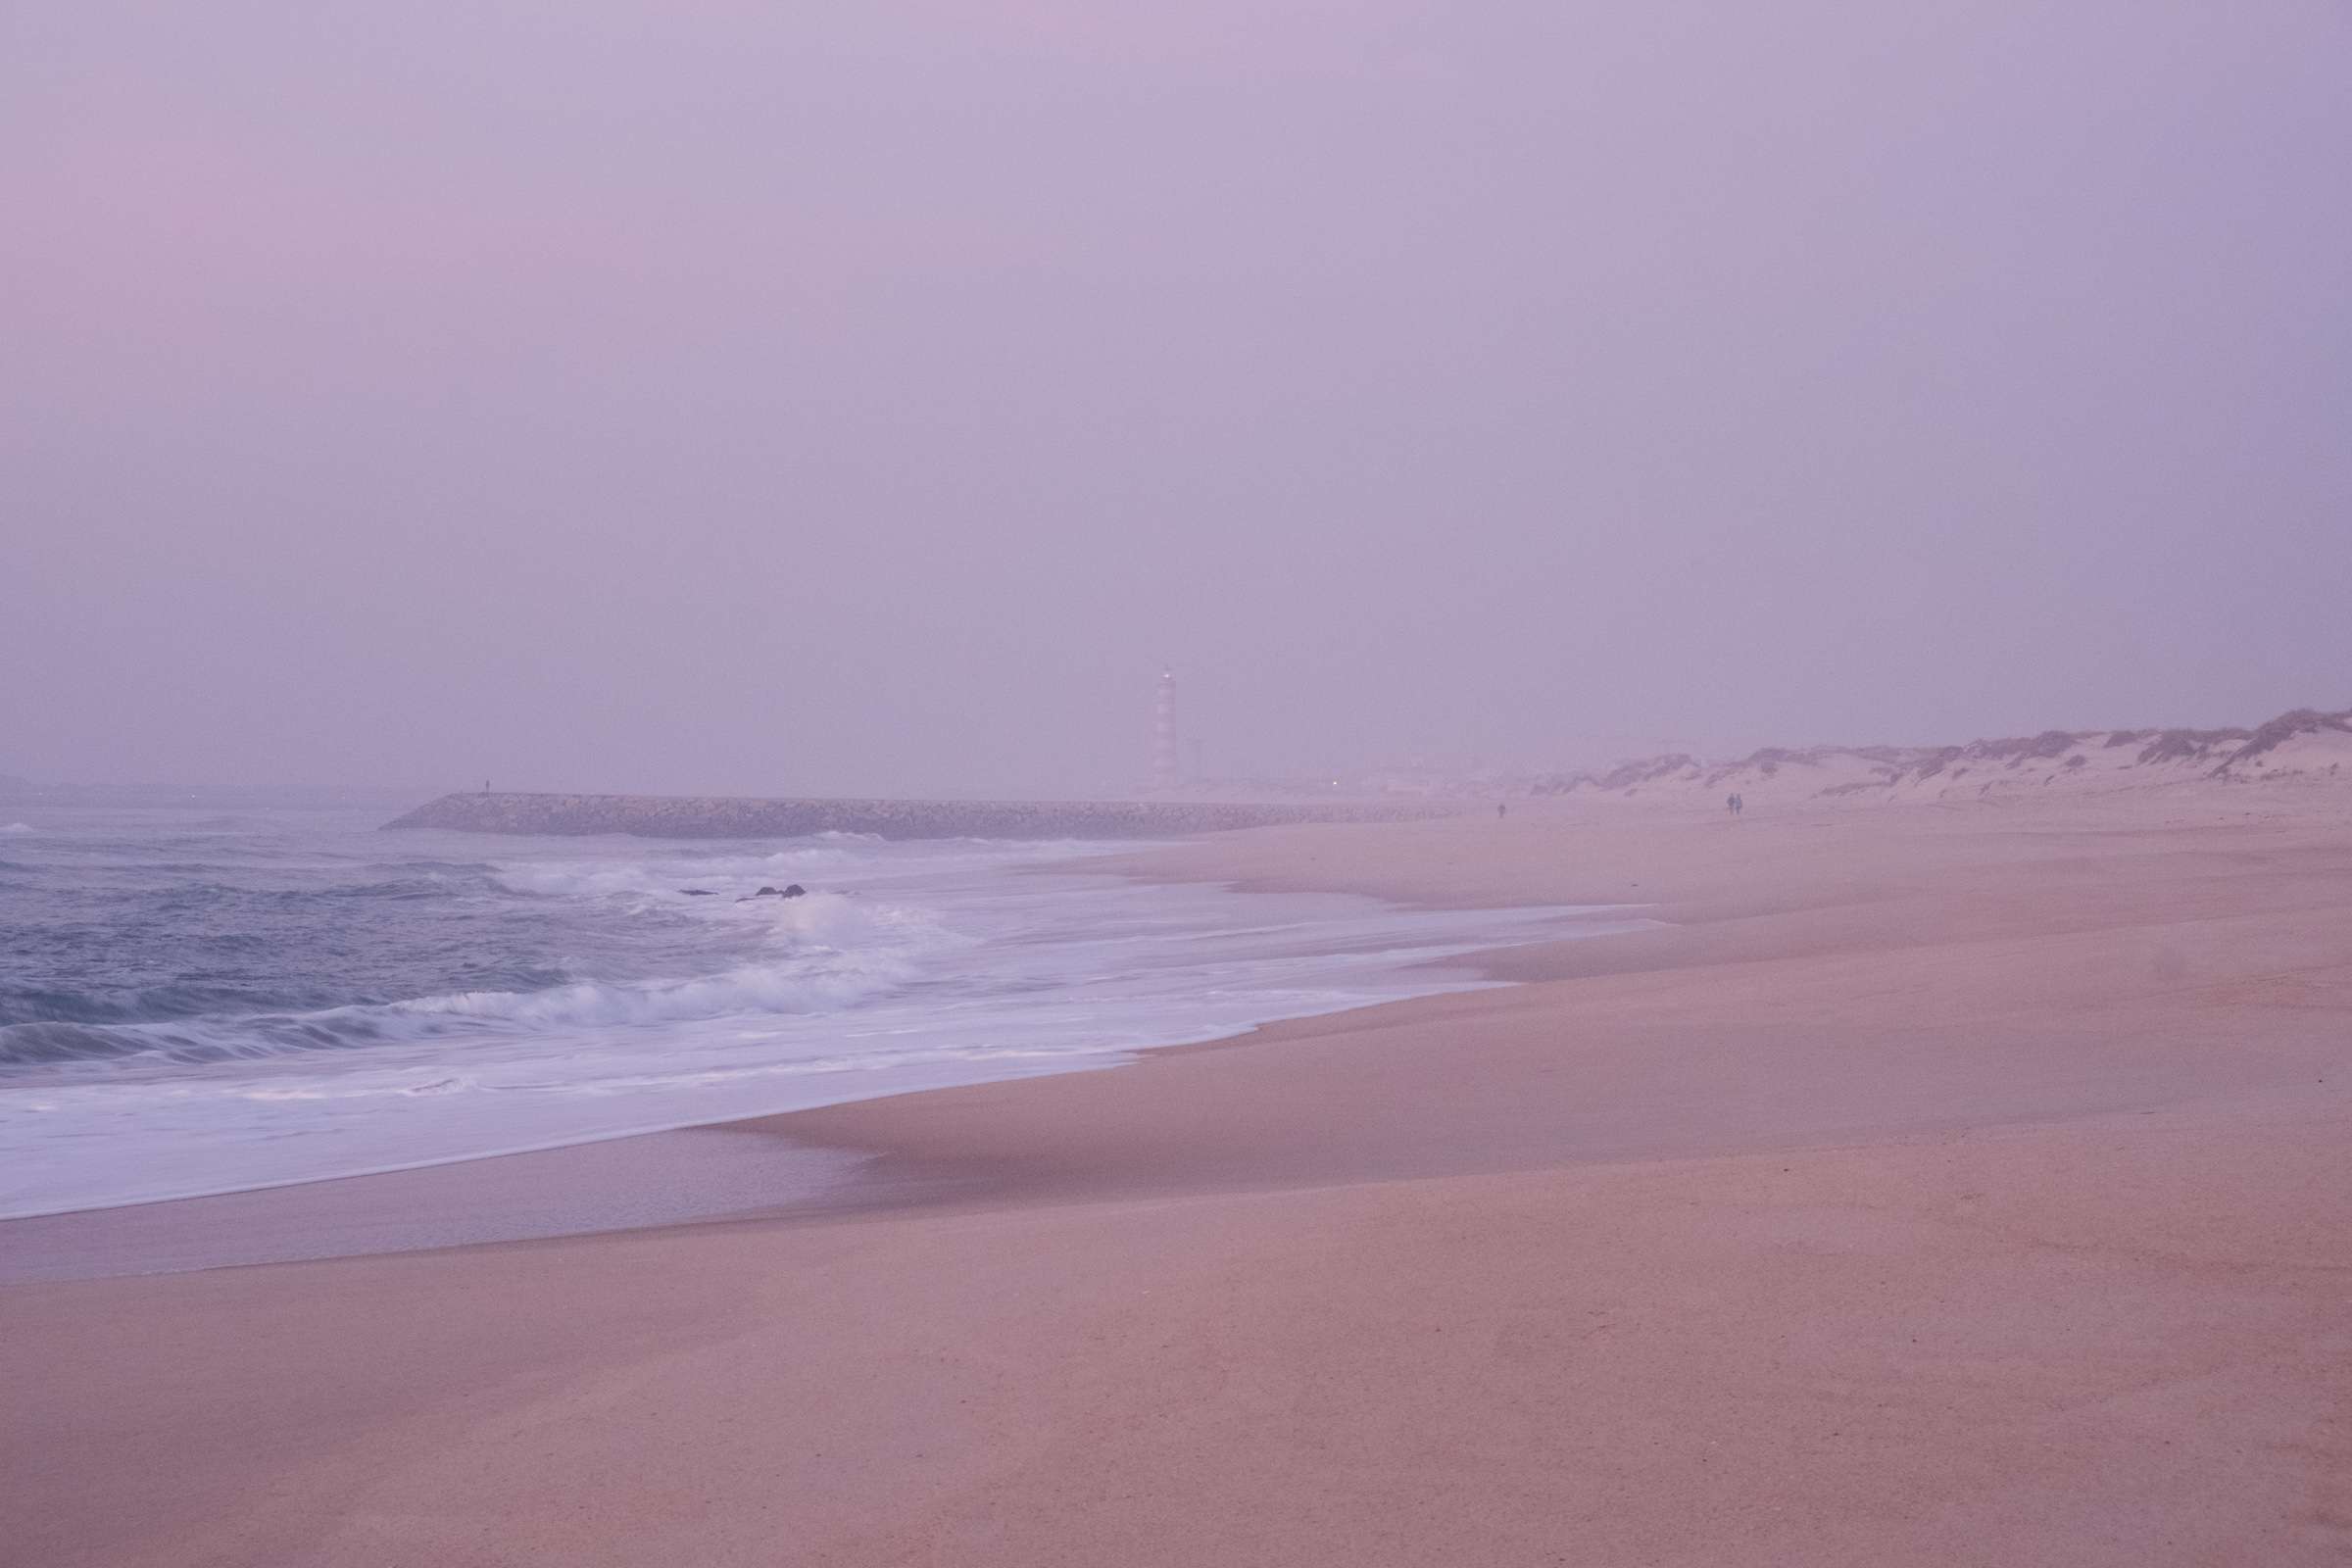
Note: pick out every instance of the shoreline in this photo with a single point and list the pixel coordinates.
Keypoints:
(303, 1216)
(1965, 1154)
(913, 966)
(590, 1185)
(824, 1166)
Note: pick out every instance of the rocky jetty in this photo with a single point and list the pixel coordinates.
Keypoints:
(727, 817)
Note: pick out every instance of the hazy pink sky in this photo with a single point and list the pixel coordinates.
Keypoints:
(870, 397)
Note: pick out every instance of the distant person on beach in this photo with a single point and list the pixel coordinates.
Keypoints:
(1499, 810)
(1731, 804)
(1738, 805)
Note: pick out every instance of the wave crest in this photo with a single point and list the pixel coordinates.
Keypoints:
(836, 952)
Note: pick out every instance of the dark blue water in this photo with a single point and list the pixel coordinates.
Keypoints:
(193, 936)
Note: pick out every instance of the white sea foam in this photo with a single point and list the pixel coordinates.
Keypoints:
(18, 827)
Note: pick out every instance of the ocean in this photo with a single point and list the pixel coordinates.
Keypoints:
(200, 1001)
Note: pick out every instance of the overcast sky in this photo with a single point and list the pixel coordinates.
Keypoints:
(732, 396)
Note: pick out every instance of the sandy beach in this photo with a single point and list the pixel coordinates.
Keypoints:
(1934, 1183)
(1252, 786)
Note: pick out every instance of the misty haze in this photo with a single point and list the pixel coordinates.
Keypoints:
(702, 399)
(1268, 784)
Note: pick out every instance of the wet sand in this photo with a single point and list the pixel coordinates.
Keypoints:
(1943, 1185)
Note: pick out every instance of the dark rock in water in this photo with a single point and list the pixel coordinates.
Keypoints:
(795, 891)
(700, 893)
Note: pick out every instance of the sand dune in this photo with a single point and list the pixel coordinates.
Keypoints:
(2301, 744)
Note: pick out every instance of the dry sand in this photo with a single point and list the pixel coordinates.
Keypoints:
(1945, 1184)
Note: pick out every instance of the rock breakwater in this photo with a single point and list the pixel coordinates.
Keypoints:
(690, 817)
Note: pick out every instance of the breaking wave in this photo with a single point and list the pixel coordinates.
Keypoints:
(830, 951)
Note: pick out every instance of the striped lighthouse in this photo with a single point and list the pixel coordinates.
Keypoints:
(1163, 733)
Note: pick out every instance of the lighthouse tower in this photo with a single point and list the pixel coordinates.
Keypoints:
(1163, 734)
